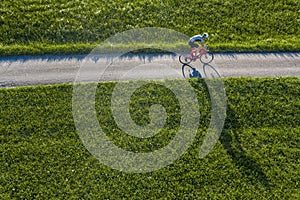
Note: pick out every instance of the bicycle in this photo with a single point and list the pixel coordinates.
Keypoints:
(203, 55)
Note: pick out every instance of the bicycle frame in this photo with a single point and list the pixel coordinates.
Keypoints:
(201, 51)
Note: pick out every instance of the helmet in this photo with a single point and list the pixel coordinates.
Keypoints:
(205, 35)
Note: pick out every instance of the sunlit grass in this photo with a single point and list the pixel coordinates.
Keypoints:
(35, 27)
(257, 156)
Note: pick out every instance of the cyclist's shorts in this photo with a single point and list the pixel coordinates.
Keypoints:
(193, 44)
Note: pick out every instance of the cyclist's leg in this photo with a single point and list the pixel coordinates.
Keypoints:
(194, 47)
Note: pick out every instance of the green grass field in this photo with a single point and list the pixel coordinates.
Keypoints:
(257, 156)
(65, 27)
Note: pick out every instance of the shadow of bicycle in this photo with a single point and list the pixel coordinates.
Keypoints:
(190, 72)
(208, 71)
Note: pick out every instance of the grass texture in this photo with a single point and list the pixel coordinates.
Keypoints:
(65, 27)
(256, 157)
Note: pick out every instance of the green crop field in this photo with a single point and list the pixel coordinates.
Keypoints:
(65, 27)
(256, 157)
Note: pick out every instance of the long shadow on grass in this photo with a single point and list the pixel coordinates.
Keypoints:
(232, 143)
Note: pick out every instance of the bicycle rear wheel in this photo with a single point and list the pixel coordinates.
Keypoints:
(185, 59)
(206, 58)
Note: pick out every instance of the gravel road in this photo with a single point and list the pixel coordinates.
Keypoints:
(33, 70)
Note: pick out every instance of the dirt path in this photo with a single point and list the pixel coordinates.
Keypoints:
(15, 71)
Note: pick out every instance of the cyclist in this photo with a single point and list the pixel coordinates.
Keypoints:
(194, 45)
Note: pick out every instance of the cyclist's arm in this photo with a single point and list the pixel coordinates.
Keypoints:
(202, 43)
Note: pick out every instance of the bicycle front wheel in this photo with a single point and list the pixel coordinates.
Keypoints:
(206, 58)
